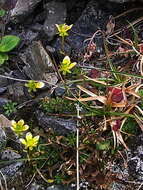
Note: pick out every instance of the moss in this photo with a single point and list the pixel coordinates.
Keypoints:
(57, 105)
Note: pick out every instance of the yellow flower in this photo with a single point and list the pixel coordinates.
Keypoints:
(63, 28)
(19, 127)
(30, 142)
(66, 65)
(32, 85)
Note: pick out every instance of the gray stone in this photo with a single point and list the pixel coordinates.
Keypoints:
(3, 82)
(23, 8)
(36, 186)
(3, 101)
(135, 159)
(56, 14)
(3, 139)
(58, 187)
(124, 1)
(16, 91)
(59, 125)
(6, 125)
(10, 168)
(39, 65)
(91, 20)
(2, 90)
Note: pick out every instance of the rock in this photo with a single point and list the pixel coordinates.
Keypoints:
(16, 92)
(59, 125)
(3, 139)
(58, 187)
(124, 1)
(91, 20)
(134, 167)
(135, 159)
(23, 8)
(28, 36)
(2, 90)
(39, 65)
(10, 169)
(3, 101)
(6, 125)
(59, 91)
(3, 82)
(56, 14)
(36, 186)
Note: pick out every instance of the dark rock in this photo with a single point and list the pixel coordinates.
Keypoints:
(16, 92)
(2, 90)
(59, 91)
(3, 82)
(56, 14)
(28, 36)
(91, 20)
(37, 27)
(23, 8)
(36, 186)
(3, 101)
(58, 187)
(59, 125)
(135, 159)
(39, 65)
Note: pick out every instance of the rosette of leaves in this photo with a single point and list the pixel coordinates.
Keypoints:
(7, 43)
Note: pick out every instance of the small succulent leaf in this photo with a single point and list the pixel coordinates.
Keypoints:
(8, 43)
(3, 58)
(2, 12)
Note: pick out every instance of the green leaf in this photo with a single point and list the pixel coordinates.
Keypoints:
(8, 43)
(2, 12)
(3, 58)
(103, 145)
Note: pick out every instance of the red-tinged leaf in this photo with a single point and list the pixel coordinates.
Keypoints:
(94, 73)
(141, 48)
(116, 94)
(116, 125)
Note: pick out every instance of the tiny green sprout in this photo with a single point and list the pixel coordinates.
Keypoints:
(63, 29)
(66, 65)
(30, 142)
(2, 12)
(32, 85)
(10, 108)
(19, 127)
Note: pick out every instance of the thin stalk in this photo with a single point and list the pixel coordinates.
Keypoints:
(77, 146)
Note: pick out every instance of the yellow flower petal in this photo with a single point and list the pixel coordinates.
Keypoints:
(36, 138)
(58, 27)
(21, 122)
(72, 65)
(28, 136)
(25, 127)
(66, 60)
(50, 180)
(23, 141)
(13, 123)
(40, 84)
